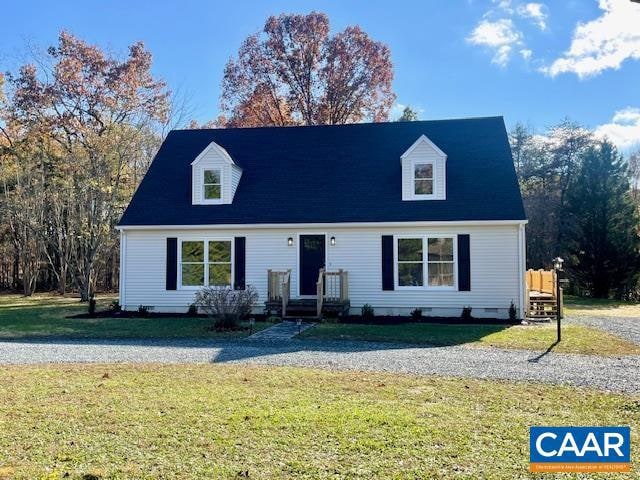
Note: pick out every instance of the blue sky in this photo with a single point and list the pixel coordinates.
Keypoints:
(534, 62)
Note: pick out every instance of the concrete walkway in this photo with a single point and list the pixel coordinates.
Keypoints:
(285, 330)
(618, 374)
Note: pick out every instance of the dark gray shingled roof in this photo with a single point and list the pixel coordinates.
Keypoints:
(328, 174)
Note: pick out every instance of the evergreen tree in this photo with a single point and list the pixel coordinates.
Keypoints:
(408, 115)
(601, 236)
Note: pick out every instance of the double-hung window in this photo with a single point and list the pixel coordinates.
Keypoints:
(212, 186)
(220, 263)
(410, 262)
(206, 263)
(423, 179)
(427, 261)
(192, 267)
(441, 261)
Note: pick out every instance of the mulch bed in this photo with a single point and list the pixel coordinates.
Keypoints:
(354, 319)
(399, 319)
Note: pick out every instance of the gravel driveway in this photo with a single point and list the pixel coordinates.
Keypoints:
(606, 373)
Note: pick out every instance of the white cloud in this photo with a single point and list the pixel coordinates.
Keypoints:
(500, 36)
(526, 53)
(602, 43)
(537, 12)
(624, 128)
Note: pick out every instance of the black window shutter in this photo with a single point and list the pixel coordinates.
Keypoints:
(239, 263)
(172, 263)
(387, 262)
(464, 263)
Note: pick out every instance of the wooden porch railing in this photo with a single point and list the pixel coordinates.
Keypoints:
(279, 287)
(541, 284)
(542, 281)
(331, 287)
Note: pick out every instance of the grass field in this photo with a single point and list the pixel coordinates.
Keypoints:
(212, 421)
(45, 316)
(575, 339)
(577, 306)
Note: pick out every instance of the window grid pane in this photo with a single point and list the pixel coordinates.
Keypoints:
(410, 274)
(212, 185)
(409, 249)
(424, 171)
(211, 192)
(441, 274)
(441, 249)
(193, 251)
(423, 187)
(219, 251)
(193, 274)
(219, 274)
(212, 177)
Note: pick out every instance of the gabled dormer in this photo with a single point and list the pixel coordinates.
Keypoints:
(214, 177)
(424, 171)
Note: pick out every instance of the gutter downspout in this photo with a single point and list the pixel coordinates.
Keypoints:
(522, 246)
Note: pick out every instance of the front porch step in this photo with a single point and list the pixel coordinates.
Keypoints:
(307, 307)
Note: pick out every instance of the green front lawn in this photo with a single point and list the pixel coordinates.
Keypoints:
(600, 307)
(213, 421)
(45, 316)
(576, 338)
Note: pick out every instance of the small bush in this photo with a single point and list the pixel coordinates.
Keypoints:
(193, 310)
(143, 310)
(225, 305)
(513, 312)
(416, 314)
(114, 306)
(368, 313)
(466, 313)
(272, 319)
(92, 306)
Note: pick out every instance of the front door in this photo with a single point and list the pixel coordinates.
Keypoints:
(312, 259)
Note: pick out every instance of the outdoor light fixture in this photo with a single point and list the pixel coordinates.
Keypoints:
(290, 241)
(557, 265)
(333, 241)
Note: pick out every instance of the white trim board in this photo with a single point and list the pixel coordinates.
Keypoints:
(240, 226)
(424, 139)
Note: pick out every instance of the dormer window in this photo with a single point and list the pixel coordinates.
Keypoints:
(423, 179)
(212, 186)
(214, 177)
(424, 171)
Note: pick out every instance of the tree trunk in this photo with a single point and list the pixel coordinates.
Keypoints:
(85, 284)
(62, 281)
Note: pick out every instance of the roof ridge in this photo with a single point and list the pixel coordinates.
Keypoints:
(345, 125)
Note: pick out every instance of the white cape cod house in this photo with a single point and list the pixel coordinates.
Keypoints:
(395, 215)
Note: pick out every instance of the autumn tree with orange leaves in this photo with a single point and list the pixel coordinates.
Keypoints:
(78, 129)
(295, 73)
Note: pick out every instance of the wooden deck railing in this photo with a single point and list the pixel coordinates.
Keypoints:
(543, 281)
(541, 284)
(279, 287)
(331, 287)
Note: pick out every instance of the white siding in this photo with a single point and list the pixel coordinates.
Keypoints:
(495, 267)
(236, 173)
(212, 159)
(424, 152)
